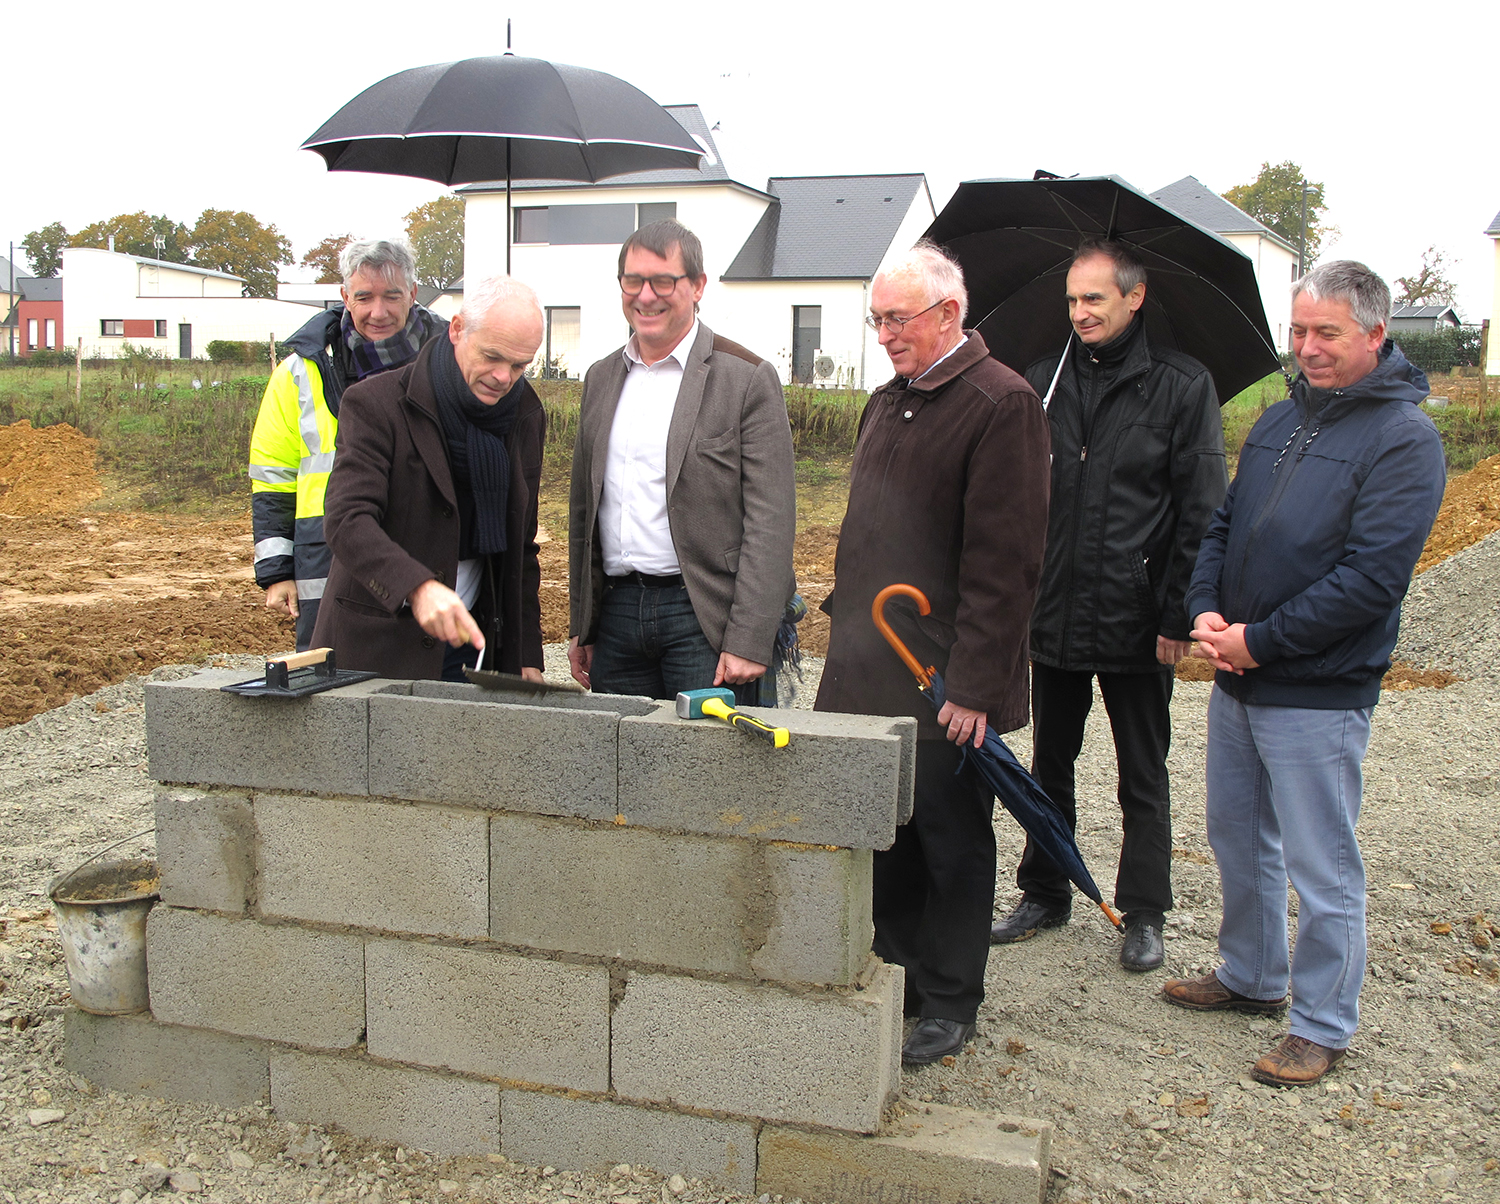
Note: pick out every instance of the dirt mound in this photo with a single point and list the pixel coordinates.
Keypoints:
(1470, 511)
(46, 471)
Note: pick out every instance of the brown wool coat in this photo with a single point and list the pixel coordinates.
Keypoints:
(948, 493)
(391, 519)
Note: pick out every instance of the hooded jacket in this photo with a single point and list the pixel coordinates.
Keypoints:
(1137, 469)
(291, 454)
(1315, 544)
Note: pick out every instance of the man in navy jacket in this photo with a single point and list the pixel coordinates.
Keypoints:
(1295, 599)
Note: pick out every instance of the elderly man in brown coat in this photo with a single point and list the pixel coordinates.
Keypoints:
(948, 493)
(432, 505)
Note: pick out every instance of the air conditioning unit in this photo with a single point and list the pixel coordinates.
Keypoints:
(831, 370)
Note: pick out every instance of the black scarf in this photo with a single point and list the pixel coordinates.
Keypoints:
(477, 454)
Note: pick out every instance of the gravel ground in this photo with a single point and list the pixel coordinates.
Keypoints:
(1151, 1103)
(1451, 617)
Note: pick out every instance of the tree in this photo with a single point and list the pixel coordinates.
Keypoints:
(325, 257)
(436, 230)
(1430, 285)
(44, 249)
(1274, 198)
(136, 234)
(236, 242)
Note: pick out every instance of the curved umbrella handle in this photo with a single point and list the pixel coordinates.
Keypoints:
(877, 612)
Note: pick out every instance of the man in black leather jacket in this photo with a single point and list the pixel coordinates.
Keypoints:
(1137, 469)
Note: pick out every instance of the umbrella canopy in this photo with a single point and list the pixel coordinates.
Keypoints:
(1016, 789)
(503, 117)
(1015, 241)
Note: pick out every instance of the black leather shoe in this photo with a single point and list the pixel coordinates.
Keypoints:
(1026, 921)
(934, 1039)
(1143, 949)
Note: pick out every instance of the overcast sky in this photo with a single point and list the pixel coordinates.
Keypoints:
(175, 107)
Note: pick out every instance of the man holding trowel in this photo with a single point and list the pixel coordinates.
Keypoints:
(948, 493)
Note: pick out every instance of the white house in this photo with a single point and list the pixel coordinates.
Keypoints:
(111, 299)
(789, 266)
(1275, 259)
(1492, 365)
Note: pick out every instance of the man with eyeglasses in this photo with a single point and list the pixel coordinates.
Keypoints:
(948, 493)
(683, 503)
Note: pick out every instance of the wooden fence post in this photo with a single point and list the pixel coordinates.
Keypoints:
(1484, 364)
(78, 377)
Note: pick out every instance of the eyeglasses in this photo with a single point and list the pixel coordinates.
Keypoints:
(895, 325)
(660, 285)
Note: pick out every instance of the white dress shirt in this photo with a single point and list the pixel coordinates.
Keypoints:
(634, 535)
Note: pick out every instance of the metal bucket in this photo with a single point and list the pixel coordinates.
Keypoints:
(101, 917)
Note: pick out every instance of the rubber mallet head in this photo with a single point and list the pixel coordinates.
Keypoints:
(690, 702)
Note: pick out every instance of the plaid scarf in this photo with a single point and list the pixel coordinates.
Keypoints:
(369, 356)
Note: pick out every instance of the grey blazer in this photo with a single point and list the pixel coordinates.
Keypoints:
(731, 494)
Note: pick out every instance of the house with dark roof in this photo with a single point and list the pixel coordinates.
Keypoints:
(1424, 318)
(39, 315)
(1492, 362)
(1274, 258)
(789, 265)
(11, 275)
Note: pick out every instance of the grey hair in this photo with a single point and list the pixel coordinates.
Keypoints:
(485, 295)
(1366, 294)
(660, 238)
(1129, 270)
(379, 257)
(936, 271)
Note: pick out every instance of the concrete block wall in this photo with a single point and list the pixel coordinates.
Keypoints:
(575, 930)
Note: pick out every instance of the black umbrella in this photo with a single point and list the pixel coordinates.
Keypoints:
(1017, 790)
(503, 118)
(1015, 241)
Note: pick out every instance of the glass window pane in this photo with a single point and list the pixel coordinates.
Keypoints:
(578, 224)
(657, 211)
(810, 316)
(531, 225)
(564, 326)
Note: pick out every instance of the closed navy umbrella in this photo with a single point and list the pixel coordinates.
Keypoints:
(503, 117)
(1015, 240)
(1017, 790)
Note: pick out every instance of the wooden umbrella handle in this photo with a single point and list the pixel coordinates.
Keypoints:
(877, 612)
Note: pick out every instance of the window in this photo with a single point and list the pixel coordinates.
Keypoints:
(51, 334)
(161, 328)
(564, 325)
(112, 328)
(656, 212)
(574, 225)
(30, 334)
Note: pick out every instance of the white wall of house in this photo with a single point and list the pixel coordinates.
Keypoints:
(1275, 269)
(758, 314)
(102, 286)
(1492, 366)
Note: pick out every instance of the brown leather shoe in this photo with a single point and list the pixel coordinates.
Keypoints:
(1208, 994)
(1296, 1062)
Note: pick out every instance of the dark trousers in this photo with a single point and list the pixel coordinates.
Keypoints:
(649, 643)
(935, 888)
(1139, 707)
(307, 619)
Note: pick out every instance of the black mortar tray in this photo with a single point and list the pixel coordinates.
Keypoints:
(297, 675)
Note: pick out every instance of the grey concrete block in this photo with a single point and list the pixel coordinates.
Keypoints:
(256, 980)
(591, 1136)
(488, 1013)
(907, 791)
(197, 734)
(839, 782)
(936, 1155)
(417, 1108)
(138, 1055)
(564, 700)
(820, 1058)
(511, 758)
(743, 907)
(395, 866)
(205, 845)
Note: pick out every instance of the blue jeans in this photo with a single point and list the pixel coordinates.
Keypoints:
(649, 642)
(1284, 786)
